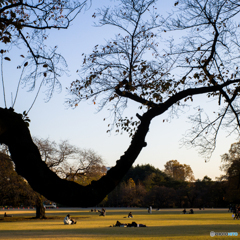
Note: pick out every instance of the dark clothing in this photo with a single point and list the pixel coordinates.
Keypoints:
(130, 215)
(236, 212)
(103, 212)
(133, 224)
(5, 215)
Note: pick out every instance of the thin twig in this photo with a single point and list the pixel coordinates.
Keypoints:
(35, 97)
(17, 88)
(4, 95)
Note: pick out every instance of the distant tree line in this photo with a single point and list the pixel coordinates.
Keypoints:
(145, 185)
(142, 186)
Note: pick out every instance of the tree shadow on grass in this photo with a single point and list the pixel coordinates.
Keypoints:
(106, 232)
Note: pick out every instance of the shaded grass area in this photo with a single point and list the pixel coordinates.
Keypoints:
(164, 224)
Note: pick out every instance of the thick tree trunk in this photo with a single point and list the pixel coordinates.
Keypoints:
(15, 134)
(40, 210)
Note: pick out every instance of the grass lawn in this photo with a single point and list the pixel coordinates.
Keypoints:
(163, 224)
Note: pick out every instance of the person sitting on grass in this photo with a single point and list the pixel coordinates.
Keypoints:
(191, 211)
(5, 215)
(103, 212)
(130, 215)
(236, 212)
(184, 211)
(68, 220)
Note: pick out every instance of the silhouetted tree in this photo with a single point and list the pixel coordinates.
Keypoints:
(141, 172)
(231, 167)
(122, 71)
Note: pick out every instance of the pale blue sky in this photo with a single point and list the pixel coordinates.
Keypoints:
(86, 129)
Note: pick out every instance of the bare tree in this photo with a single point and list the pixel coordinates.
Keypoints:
(209, 57)
(123, 71)
(205, 62)
(70, 162)
(88, 167)
(54, 154)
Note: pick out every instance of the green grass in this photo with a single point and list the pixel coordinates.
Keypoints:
(163, 224)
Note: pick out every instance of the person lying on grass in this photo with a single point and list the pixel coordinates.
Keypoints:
(68, 220)
(5, 215)
(133, 224)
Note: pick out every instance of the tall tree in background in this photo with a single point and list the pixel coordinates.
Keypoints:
(140, 173)
(178, 171)
(122, 71)
(67, 161)
(14, 190)
(231, 167)
(70, 162)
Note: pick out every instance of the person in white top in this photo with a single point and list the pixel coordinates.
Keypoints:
(150, 209)
(68, 220)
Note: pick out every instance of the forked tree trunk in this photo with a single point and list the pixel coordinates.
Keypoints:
(15, 134)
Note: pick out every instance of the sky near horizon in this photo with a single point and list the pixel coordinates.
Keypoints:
(85, 128)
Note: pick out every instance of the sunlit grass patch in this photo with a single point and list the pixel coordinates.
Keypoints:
(163, 224)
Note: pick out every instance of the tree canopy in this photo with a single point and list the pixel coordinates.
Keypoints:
(178, 171)
(141, 172)
(14, 190)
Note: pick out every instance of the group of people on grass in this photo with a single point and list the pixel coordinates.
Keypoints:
(102, 212)
(68, 220)
(133, 224)
(190, 212)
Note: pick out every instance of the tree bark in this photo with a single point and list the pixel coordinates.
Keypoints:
(15, 134)
(40, 210)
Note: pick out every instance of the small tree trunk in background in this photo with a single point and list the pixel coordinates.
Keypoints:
(40, 210)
